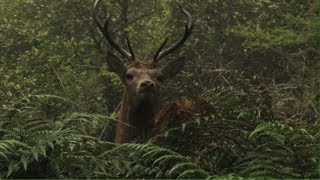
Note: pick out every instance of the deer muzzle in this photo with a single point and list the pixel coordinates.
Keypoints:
(146, 86)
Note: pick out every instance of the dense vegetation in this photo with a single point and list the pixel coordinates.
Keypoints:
(245, 105)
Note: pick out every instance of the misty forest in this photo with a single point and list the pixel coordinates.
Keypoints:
(159, 89)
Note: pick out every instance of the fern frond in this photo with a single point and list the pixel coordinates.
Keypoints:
(280, 152)
(146, 160)
(180, 166)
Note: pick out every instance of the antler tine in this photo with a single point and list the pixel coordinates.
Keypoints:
(188, 29)
(130, 49)
(95, 15)
(105, 31)
(155, 57)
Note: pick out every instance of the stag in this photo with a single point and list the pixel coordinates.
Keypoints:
(142, 81)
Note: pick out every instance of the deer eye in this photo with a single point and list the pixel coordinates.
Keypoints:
(129, 76)
(160, 78)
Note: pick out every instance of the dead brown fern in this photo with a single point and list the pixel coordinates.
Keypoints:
(174, 113)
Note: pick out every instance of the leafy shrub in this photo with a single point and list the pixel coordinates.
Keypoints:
(40, 133)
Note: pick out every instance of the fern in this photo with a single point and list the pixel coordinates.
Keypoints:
(227, 177)
(43, 137)
(148, 161)
(215, 142)
(245, 146)
(7, 146)
(281, 151)
(39, 135)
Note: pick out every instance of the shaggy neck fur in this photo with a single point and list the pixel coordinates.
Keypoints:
(136, 117)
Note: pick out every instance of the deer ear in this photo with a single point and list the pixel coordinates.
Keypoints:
(116, 65)
(173, 68)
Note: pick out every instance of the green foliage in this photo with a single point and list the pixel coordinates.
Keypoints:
(41, 139)
(292, 152)
(39, 136)
(245, 147)
(147, 161)
(253, 60)
(45, 53)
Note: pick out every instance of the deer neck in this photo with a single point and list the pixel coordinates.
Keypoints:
(136, 117)
(137, 111)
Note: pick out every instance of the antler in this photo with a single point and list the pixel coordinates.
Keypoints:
(188, 29)
(105, 31)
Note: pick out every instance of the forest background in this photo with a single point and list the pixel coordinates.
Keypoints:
(245, 105)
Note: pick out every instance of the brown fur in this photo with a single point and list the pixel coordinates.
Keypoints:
(135, 119)
(142, 81)
(143, 65)
(174, 113)
(138, 106)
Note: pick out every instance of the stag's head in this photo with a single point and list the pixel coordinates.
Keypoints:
(143, 79)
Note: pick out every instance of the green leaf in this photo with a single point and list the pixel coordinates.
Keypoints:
(11, 168)
(35, 154)
(24, 161)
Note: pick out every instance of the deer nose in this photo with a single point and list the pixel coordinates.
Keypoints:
(147, 84)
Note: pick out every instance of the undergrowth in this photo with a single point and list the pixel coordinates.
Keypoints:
(44, 137)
